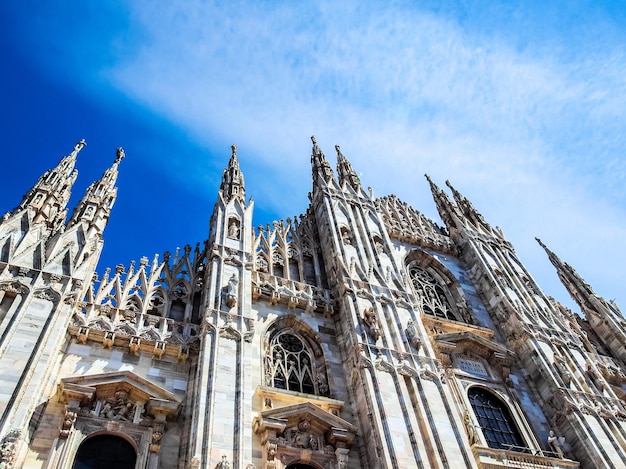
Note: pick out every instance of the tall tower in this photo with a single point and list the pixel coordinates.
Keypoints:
(561, 369)
(219, 425)
(45, 268)
(383, 340)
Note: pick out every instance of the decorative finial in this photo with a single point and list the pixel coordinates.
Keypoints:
(79, 145)
(120, 154)
(313, 140)
(338, 148)
(233, 147)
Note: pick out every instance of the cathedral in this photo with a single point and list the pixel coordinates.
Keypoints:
(360, 334)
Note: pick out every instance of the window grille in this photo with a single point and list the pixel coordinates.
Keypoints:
(495, 420)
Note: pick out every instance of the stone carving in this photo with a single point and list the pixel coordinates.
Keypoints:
(470, 429)
(232, 290)
(223, 464)
(68, 423)
(412, 335)
(556, 443)
(561, 367)
(271, 450)
(157, 434)
(342, 460)
(8, 448)
(15, 287)
(371, 320)
(233, 229)
(322, 383)
(119, 407)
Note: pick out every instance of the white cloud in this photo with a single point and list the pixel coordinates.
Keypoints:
(533, 136)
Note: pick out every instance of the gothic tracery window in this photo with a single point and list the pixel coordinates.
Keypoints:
(495, 420)
(289, 364)
(432, 294)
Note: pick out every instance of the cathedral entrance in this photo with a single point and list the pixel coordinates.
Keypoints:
(105, 452)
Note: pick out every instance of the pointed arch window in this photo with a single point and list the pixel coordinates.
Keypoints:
(434, 297)
(495, 420)
(289, 364)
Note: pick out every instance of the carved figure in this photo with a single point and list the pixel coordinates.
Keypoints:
(412, 335)
(371, 320)
(271, 451)
(224, 464)
(561, 367)
(233, 230)
(299, 441)
(80, 145)
(232, 291)
(469, 427)
(68, 423)
(118, 408)
(322, 384)
(342, 461)
(556, 444)
(120, 154)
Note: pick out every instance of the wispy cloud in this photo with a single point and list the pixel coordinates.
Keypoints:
(528, 121)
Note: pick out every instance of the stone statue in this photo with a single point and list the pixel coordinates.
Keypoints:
(80, 145)
(412, 335)
(469, 427)
(68, 423)
(232, 291)
(224, 464)
(371, 320)
(119, 154)
(233, 230)
(556, 444)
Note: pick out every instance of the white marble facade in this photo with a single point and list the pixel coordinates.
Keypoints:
(359, 335)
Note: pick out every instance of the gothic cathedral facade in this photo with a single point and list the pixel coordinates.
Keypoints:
(359, 335)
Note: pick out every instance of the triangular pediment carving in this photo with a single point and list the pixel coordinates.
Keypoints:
(482, 346)
(83, 391)
(318, 417)
(303, 430)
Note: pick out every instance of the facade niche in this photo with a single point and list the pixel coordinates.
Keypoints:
(234, 228)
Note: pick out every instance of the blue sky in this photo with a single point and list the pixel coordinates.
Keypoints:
(521, 107)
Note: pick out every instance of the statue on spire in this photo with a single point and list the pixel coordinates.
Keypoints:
(120, 155)
(346, 171)
(232, 178)
(319, 162)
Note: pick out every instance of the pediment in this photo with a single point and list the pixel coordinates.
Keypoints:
(306, 410)
(449, 345)
(305, 415)
(467, 340)
(84, 390)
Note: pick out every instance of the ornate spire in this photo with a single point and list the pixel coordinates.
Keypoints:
(345, 171)
(232, 179)
(467, 209)
(447, 210)
(95, 206)
(580, 290)
(49, 196)
(320, 166)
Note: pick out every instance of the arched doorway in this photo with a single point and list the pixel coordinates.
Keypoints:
(105, 452)
(298, 465)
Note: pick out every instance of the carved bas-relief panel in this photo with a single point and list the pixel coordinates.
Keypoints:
(120, 404)
(302, 431)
